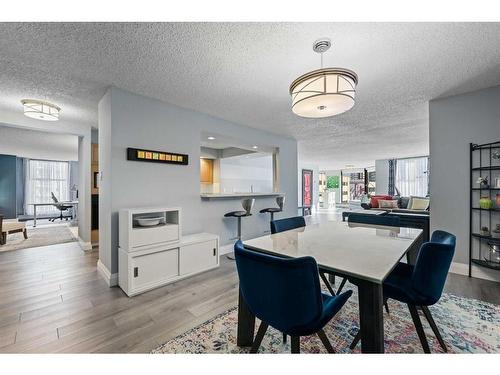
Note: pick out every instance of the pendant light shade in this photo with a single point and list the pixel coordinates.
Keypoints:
(40, 110)
(323, 92)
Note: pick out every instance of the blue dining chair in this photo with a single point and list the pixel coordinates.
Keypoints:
(289, 223)
(421, 285)
(285, 294)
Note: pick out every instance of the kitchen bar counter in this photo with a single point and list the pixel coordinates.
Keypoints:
(237, 195)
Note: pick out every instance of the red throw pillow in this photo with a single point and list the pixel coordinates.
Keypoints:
(375, 198)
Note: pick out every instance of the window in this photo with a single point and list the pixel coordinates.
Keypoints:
(412, 177)
(42, 178)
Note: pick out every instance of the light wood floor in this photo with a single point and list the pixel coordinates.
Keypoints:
(52, 300)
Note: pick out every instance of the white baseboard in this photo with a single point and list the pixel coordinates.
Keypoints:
(226, 249)
(111, 279)
(477, 272)
(86, 246)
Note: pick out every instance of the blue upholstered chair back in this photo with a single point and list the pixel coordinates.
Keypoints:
(285, 293)
(287, 224)
(385, 220)
(440, 236)
(432, 266)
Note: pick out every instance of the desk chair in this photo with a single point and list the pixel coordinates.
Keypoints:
(286, 294)
(60, 206)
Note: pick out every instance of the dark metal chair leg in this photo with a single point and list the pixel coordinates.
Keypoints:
(328, 286)
(342, 283)
(386, 307)
(258, 338)
(434, 327)
(284, 338)
(419, 328)
(325, 341)
(295, 344)
(356, 340)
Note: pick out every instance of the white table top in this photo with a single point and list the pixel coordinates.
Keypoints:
(364, 251)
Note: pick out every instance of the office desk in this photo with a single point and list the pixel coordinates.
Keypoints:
(69, 203)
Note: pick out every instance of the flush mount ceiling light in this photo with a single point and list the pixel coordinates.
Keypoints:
(323, 92)
(210, 138)
(40, 110)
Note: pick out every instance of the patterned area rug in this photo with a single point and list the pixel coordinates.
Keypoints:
(467, 326)
(40, 236)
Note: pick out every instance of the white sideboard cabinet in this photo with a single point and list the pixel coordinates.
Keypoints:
(156, 255)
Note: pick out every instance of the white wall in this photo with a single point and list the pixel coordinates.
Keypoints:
(37, 145)
(246, 172)
(455, 122)
(382, 176)
(130, 120)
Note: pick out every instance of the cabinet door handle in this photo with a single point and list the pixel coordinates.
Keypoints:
(136, 271)
(215, 251)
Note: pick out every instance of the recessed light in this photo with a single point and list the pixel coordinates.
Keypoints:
(40, 110)
(255, 147)
(210, 138)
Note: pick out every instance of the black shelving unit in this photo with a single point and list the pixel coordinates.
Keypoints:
(483, 165)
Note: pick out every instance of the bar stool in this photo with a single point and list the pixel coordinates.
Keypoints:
(272, 210)
(247, 205)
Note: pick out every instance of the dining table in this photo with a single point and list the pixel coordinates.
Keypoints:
(364, 254)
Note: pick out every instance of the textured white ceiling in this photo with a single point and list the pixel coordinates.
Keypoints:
(241, 72)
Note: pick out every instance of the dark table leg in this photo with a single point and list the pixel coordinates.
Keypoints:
(371, 317)
(246, 324)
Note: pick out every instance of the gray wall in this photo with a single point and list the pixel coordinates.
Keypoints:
(37, 144)
(8, 186)
(455, 122)
(130, 120)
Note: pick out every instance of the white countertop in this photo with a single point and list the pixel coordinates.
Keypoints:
(366, 252)
(237, 195)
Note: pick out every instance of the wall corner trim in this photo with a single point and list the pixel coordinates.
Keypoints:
(86, 246)
(111, 279)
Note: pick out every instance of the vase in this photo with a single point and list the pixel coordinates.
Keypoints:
(485, 203)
